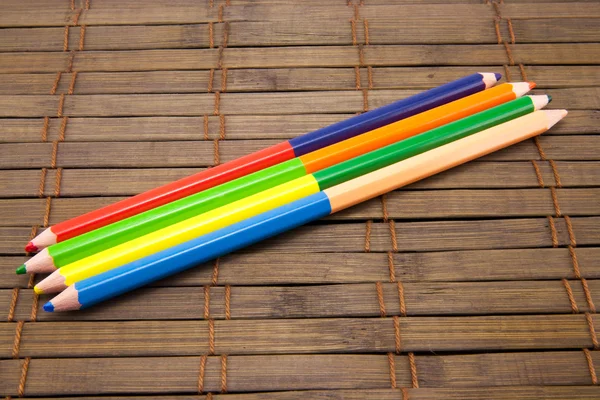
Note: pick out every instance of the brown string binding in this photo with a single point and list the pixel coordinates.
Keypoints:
(34, 303)
(223, 79)
(216, 155)
(397, 338)
(46, 221)
(45, 129)
(368, 236)
(353, 29)
(70, 61)
(511, 32)
(215, 274)
(17, 340)
(590, 322)
(507, 73)
(554, 197)
(392, 363)
(206, 302)
(66, 39)
(404, 393)
(211, 337)
(569, 291)
(42, 185)
(55, 84)
(538, 174)
(205, 127)
(81, 37)
(553, 232)
(211, 77)
(23, 379)
(497, 28)
(61, 105)
(401, 297)
(211, 35)
(223, 374)
(201, 373)
(413, 370)
(72, 84)
(228, 302)
(591, 367)
(380, 299)
(13, 305)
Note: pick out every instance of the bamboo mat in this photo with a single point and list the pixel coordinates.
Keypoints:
(479, 283)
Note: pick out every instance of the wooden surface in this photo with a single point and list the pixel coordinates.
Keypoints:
(480, 283)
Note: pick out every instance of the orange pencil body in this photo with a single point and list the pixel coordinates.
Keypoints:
(386, 135)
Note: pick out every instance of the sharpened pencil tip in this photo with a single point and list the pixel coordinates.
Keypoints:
(21, 270)
(532, 85)
(49, 307)
(37, 290)
(549, 98)
(498, 76)
(31, 248)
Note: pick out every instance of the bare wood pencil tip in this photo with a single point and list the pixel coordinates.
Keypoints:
(52, 284)
(490, 78)
(68, 300)
(554, 116)
(45, 239)
(41, 263)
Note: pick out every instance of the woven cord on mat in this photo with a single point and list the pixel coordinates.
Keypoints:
(554, 197)
(491, 266)
(42, 185)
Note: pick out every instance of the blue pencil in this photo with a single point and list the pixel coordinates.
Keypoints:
(178, 258)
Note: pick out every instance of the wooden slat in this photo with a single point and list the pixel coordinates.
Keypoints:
(331, 31)
(259, 268)
(553, 30)
(123, 182)
(236, 103)
(12, 239)
(236, 127)
(281, 336)
(483, 393)
(201, 153)
(294, 372)
(412, 205)
(280, 79)
(184, 13)
(346, 300)
(299, 56)
(411, 236)
(549, 9)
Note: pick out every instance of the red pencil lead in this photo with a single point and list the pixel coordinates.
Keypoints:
(31, 248)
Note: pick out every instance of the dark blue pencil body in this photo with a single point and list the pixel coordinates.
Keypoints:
(202, 249)
(387, 114)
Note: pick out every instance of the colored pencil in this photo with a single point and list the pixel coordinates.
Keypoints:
(272, 198)
(264, 158)
(77, 248)
(160, 265)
